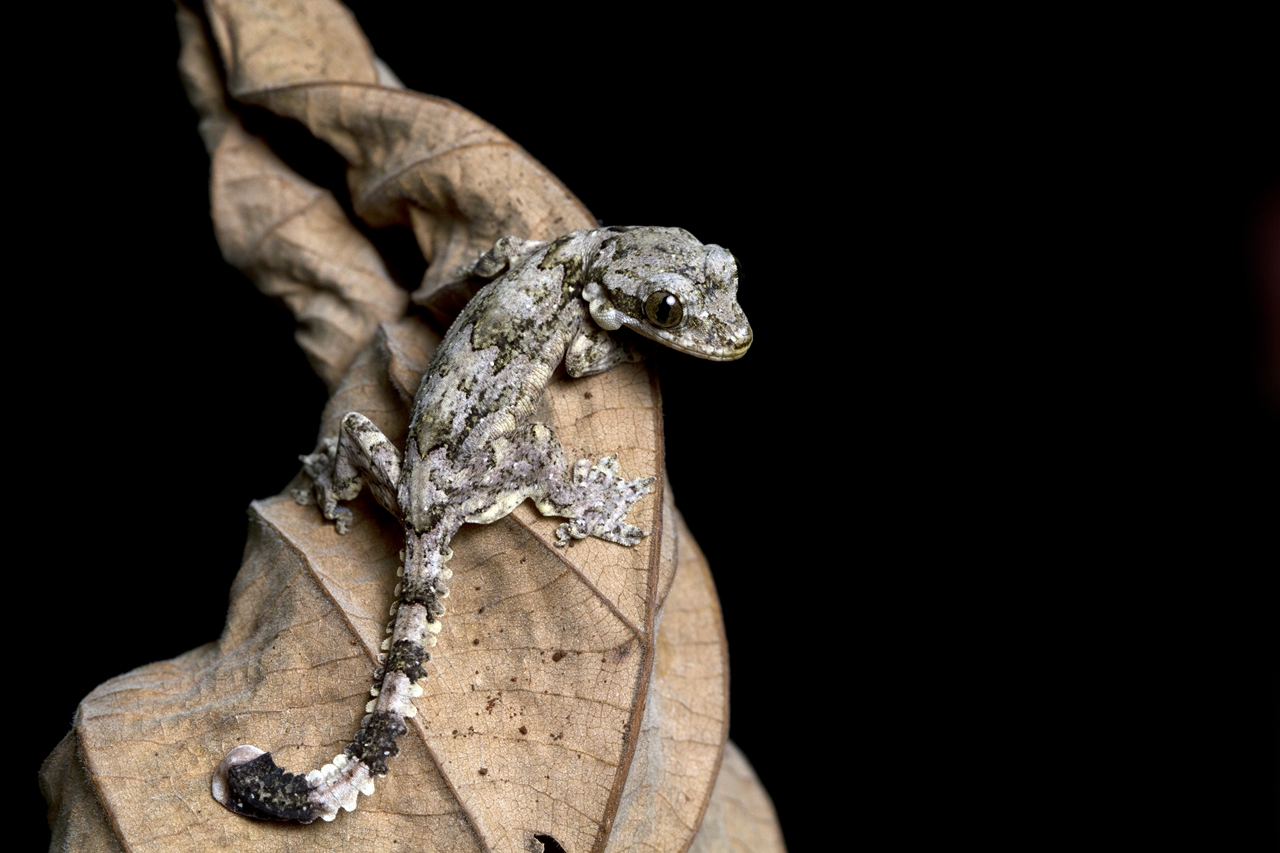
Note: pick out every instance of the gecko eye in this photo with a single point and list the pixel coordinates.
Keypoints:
(663, 309)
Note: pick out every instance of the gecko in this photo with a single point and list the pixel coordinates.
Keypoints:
(473, 455)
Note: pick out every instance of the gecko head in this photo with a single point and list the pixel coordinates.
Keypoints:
(665, 285)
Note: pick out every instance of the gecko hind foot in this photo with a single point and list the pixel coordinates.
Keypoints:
(342, 519)
(320, 467)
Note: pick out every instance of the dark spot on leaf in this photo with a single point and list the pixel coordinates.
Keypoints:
(557, 657)
(524, 730)
(484, 771)
(587, 395)
(476, 641)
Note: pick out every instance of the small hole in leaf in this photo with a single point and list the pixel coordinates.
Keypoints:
(550, 844)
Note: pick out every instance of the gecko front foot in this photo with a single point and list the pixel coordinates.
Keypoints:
(601, 499)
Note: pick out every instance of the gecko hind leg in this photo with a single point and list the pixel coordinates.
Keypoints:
(341, 467)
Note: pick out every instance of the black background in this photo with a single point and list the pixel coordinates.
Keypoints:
(990, 503)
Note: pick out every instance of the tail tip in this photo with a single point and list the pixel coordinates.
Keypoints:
(242, 754)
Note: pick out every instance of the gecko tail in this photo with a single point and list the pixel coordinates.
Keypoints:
(250, 783)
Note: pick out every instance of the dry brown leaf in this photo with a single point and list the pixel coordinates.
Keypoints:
(740, 816)
(413, 159)
(143, 743)
(287, 234)
(75, 813)
(551, 707)
(536, 686)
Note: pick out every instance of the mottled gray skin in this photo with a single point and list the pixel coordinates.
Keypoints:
(471, 455)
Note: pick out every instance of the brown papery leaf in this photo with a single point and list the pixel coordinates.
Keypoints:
(537, 685)
(578, 694)
(740, 816)
(413, 159)
(287, 234)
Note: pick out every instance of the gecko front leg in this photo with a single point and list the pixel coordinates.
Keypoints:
(596, 498)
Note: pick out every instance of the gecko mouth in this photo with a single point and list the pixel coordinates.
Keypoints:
(738, 346)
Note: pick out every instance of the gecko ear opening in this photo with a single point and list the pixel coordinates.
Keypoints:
(602, 310)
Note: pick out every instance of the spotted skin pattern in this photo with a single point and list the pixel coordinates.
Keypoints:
(473, 456)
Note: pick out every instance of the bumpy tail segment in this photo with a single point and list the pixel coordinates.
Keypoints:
(250, 783)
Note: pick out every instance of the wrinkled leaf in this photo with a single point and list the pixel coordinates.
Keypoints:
(287, 234)
(740, 816)
(552, 706)
(144, 742)
(413, 159)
